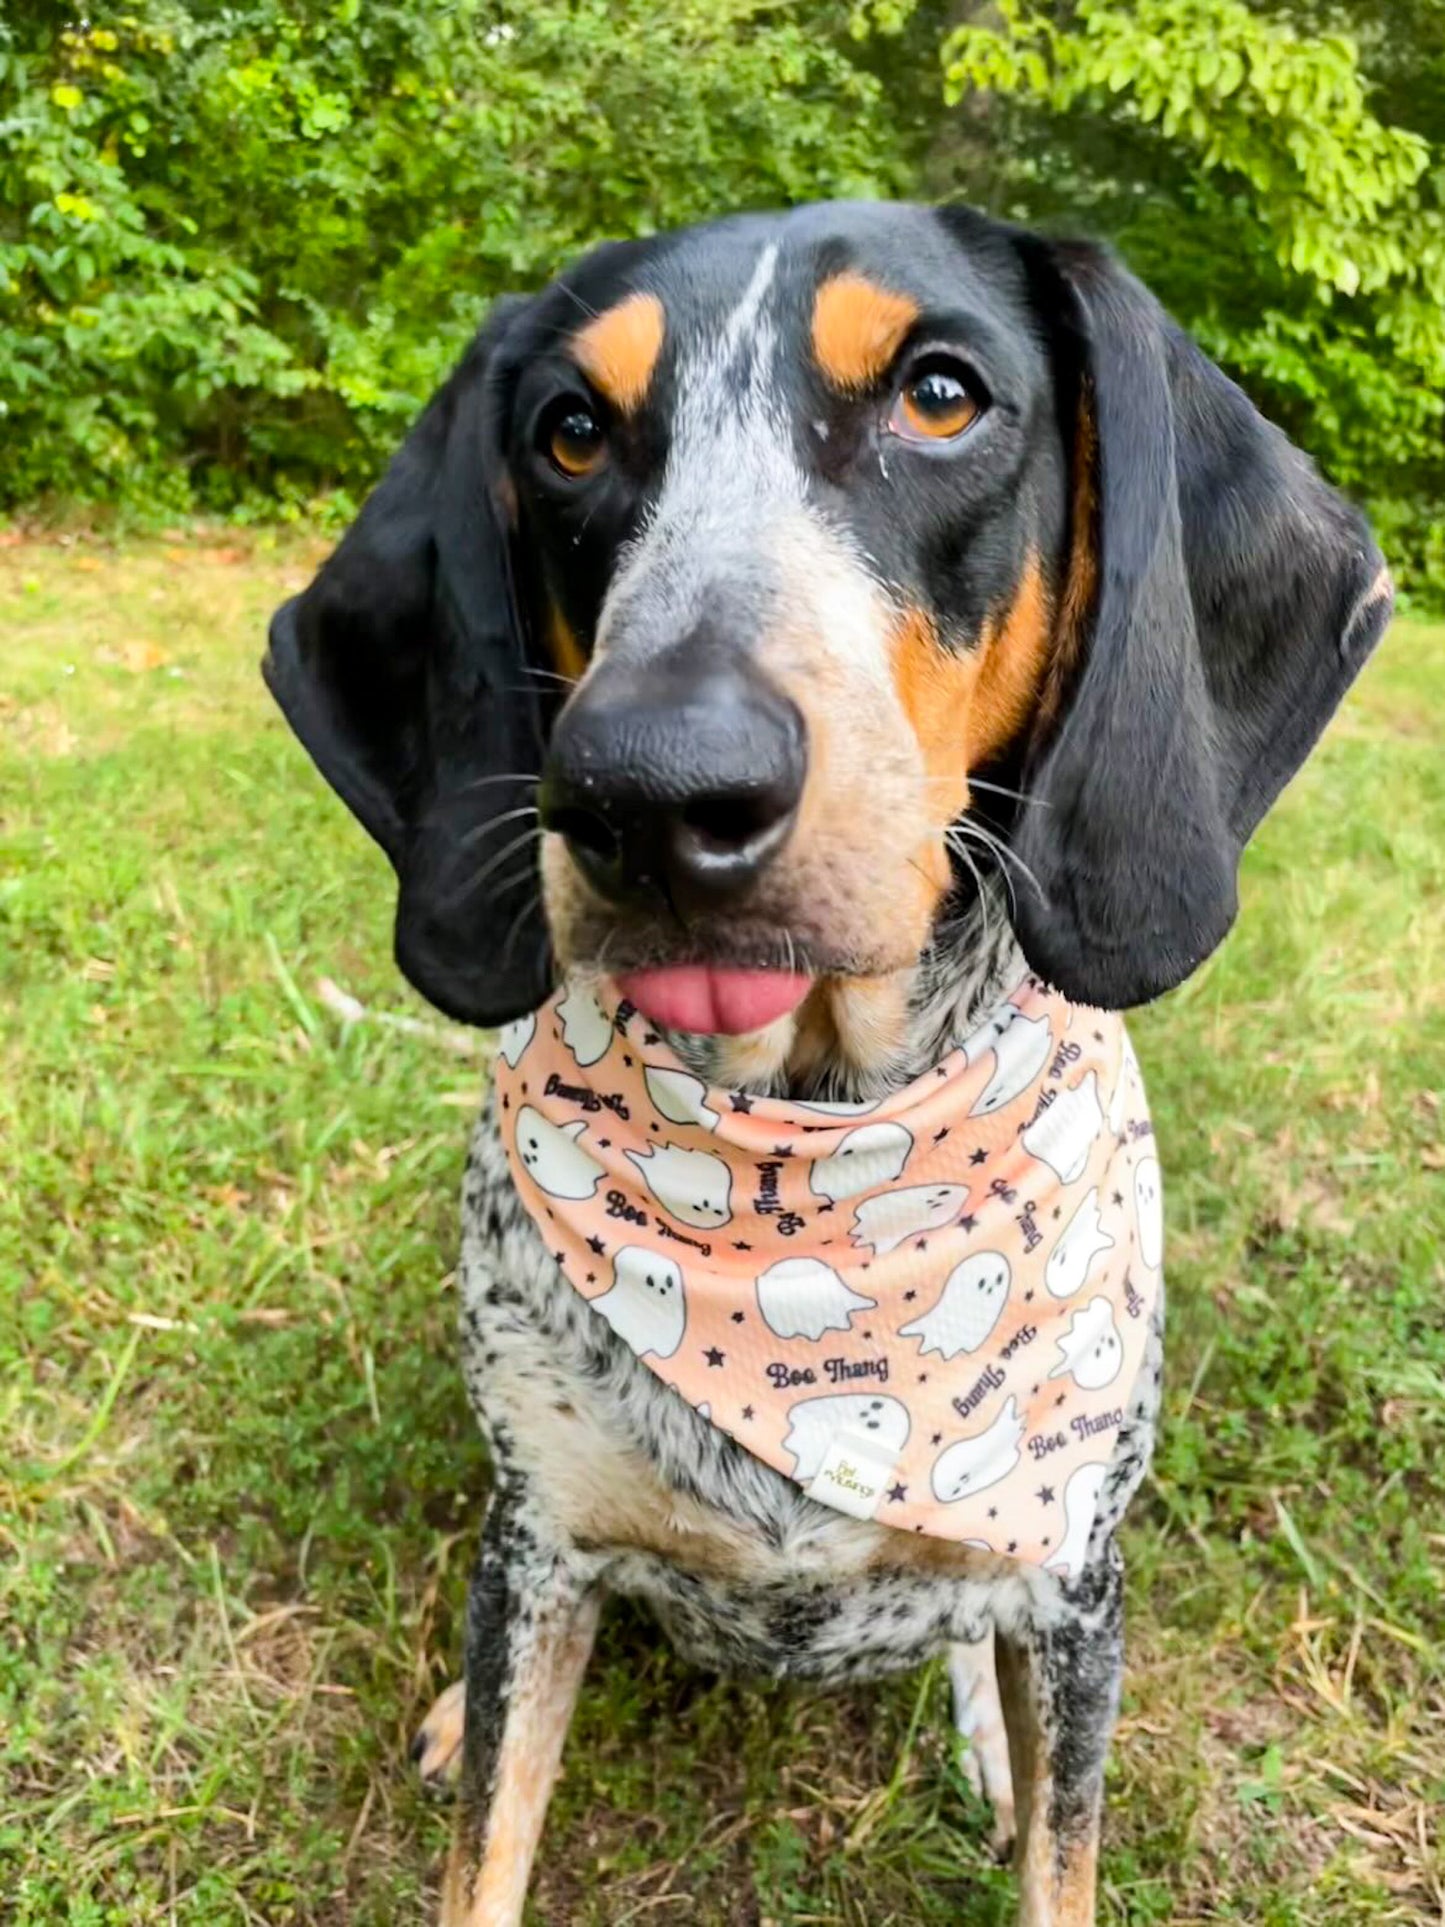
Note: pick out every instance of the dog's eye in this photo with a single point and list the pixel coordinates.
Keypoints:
(938, 401)
(572, 439)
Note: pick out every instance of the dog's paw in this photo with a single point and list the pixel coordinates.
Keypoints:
(991, 1781)
(978, 1716)
(437, 1748)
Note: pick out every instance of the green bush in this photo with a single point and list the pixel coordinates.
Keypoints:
(239, 243)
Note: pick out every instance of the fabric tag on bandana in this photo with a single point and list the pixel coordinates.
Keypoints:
(852, 1475)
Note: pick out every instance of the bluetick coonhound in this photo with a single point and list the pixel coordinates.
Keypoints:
(821, 616)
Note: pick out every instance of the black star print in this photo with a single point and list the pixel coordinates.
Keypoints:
(652, 1127)
(651, 1037)
(939, 1136)
(738, 1245)
(713, 1356)
(740, 1101)
(896, 1494)
(1058, 1211)
(993, 1512)
(1027, 1296)
(979, 1157)
(737, 1318)
(1036, 1391)
(596, 1244)
(909, 1296)
(550, 1214)
(967, 1222)
(747, 1411)
(937, 1439)
(1098, 1037)
(782, 1150)
(920, 1244)
(1048, 1542)
(592, 1277)
(558, 1256)
(923, 1378)
(603, 1143)
(1045, 1495)
(1013, 1545)
(506, 1103)
(825, 1207)
(627, 1061)
(1060, 1399)
(1118, 1197)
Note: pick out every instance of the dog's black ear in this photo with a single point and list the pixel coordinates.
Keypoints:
(402, 669)
(1237, 596)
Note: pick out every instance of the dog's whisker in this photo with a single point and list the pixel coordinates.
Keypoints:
(956, 839)
(1006, 855)
(484, 829)
(474, 882)
(488, 782)
(1002, 789)
(531, 903)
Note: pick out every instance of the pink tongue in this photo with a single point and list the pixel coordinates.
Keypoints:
(700, 997)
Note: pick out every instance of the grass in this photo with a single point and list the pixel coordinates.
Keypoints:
(239, 1483)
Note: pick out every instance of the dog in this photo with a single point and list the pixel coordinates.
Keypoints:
(809, 622)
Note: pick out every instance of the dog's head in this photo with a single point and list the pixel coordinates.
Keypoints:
(758, 557)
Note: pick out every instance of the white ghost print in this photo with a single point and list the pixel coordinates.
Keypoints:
(515, 1038)
(679, 1097)
(586, 1027)
(967, 1309)
(803, 1298)
(977, 1463)
(1079, 1244)
(1149, 1204)
(646, 1305)
(814, 1423)
(1081, 1502)
(885, 1221)
(1066, 1132)
(556, 1162)
(874, 1154)
(1092, 1348)
(1021, 1048)
(694, 1186)
(1123, 1084)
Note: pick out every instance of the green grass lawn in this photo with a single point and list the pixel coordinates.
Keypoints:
(239, 1484)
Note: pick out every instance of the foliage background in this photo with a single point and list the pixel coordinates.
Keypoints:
(241, 241)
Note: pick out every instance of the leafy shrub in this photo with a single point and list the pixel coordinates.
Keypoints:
(241, 240)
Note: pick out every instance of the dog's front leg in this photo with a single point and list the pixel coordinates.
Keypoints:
(1059, 1676)
(531, 1618)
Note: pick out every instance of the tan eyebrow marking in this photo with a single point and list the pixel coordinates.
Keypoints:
(858, 328)
(618, 350)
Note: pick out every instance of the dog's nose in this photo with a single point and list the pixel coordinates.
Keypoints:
(676, 778)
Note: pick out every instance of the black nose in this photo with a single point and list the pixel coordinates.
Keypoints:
(678, 777)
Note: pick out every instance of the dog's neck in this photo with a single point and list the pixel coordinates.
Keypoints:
(858, 1041)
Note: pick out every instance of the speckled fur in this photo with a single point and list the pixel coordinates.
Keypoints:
(607, 1480)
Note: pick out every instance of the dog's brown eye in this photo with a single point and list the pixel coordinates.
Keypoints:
(574, 441)
(934, 404)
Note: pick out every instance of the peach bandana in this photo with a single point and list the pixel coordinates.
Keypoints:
(928, 1311)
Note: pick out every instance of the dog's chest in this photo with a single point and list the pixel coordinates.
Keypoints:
(742, 1568)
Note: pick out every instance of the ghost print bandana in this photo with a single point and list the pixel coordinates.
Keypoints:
(928, 1311)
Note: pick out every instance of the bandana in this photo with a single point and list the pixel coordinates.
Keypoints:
(929, 1311)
